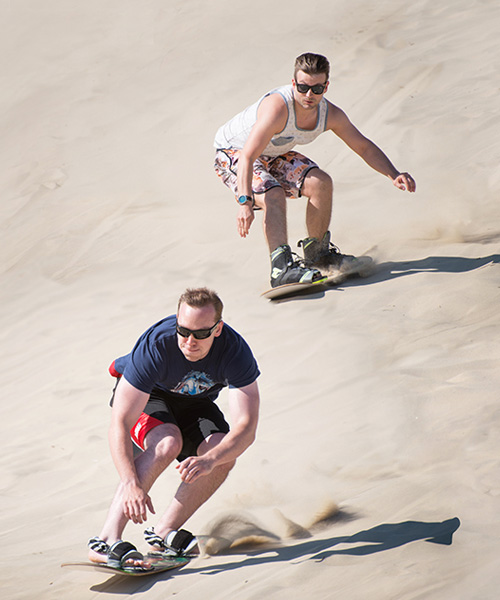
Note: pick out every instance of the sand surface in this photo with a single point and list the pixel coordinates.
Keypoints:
(379, 398)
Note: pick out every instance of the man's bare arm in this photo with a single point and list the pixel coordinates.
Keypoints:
(339, 123)
(244, 416)
(128, 404)
(271, 119)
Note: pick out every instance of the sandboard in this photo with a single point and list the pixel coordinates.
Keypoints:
(364, 267)
(294, 289)
(158, 562)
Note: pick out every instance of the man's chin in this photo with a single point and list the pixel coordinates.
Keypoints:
(193, 356)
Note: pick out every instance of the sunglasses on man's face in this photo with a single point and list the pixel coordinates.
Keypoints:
(317, 89)
(198, 334)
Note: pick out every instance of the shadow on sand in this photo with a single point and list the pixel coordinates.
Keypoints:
(432, 264)
(378, 539)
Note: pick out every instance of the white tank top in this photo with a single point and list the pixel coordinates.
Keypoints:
(235, 132)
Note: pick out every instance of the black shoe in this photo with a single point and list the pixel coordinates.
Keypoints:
(286, 267)
(325, 256)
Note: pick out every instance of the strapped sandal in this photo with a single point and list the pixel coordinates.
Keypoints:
(177, 543)
(118, 554)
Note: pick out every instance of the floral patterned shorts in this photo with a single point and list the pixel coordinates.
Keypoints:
(287, 171)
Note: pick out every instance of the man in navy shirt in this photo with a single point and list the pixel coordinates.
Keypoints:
(164, 402)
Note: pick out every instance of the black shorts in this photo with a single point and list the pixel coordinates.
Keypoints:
(197, 419)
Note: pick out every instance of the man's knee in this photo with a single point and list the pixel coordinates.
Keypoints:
(165, 441)
(224, 468)
(228, 466)
(317, 181)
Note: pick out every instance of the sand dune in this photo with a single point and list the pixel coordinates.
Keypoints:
(380, 397)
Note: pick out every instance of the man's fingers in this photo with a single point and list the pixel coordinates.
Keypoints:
(405, 181)
(190, 469)
(150, 505)
(243, 227)
(137, 511)
(136, 514)
(244, 221)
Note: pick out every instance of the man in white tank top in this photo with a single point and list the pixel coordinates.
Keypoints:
(254, 158)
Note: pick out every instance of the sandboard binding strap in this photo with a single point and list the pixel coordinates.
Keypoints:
(178, 543)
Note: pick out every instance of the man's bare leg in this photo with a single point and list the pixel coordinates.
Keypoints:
(318, 188)
(163, 444)
(273, 205)
(190, 496)
(284, 268)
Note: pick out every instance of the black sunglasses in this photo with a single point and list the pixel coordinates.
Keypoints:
(317, 89)
(198, 334)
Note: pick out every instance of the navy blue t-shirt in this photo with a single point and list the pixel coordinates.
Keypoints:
(157, 362)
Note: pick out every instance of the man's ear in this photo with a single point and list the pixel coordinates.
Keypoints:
(218, 331)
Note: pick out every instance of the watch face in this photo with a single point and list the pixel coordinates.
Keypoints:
(243, 199)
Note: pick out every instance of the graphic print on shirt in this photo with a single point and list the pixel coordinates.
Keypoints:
(194, 383)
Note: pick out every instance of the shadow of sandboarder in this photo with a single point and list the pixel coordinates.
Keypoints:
(432, 264)
(377, 539)
(392, 535)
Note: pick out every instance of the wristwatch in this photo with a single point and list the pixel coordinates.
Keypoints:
(245, 199)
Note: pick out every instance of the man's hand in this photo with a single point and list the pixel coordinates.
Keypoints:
(194, 467)
(404, 181)
(136, 502)
(244, 219)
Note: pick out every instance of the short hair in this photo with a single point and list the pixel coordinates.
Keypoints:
(312, 64)
(200, 297)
